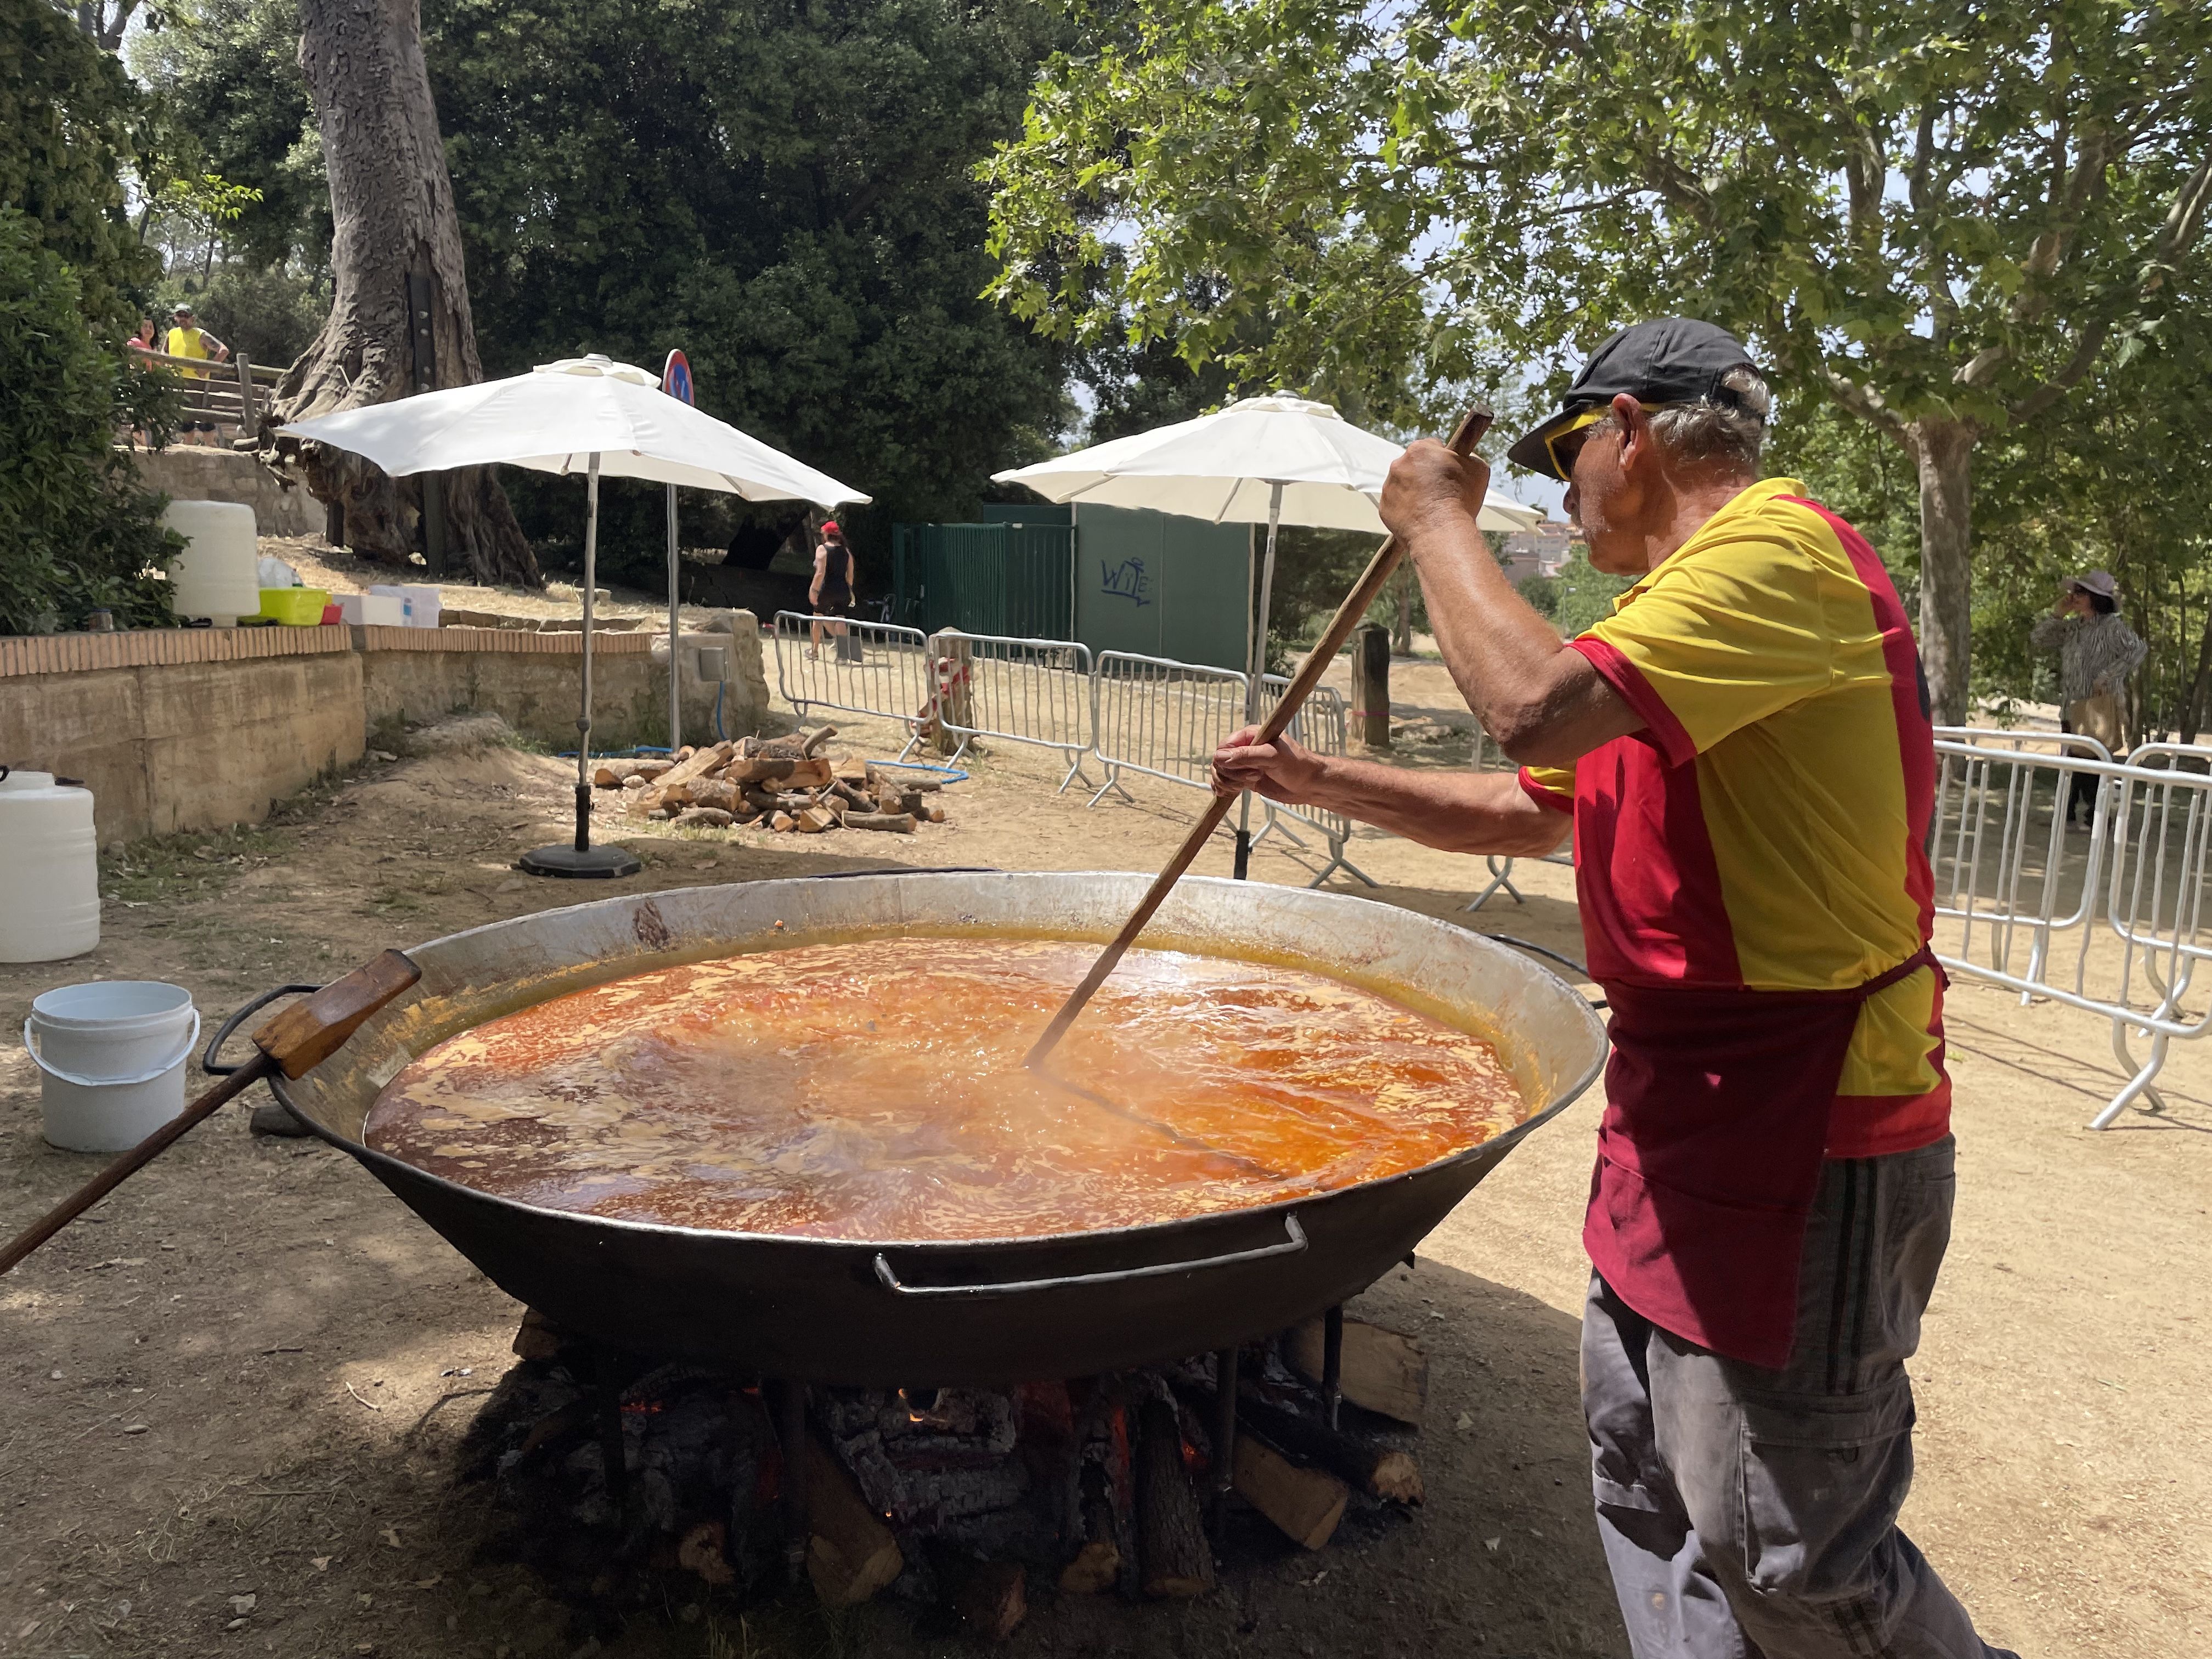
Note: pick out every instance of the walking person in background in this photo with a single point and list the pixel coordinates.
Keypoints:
(140, 344)
(189, 339)
(832, 595)
(2097, 655)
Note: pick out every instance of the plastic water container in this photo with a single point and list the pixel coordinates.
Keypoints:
(113, 1055)
(49, 869)
(218, 574)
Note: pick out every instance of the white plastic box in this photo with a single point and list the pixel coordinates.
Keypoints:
(418, 602)
(372, 610)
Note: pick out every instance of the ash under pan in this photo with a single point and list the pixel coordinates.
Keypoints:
(891, 1314)
(958, 1503)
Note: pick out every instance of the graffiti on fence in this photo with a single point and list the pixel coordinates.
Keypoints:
(1125, 580)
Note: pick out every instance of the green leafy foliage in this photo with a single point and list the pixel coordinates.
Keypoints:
(76, 533)
(69, 124)
(76, 530)
(1938, 214)
(784, 189)
(235, 105)
(1580, 595)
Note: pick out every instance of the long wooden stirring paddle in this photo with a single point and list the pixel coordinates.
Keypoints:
(295, 1042)
(1365, 592)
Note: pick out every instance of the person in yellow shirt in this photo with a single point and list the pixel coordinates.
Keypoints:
(188, 339)
(1744, 752)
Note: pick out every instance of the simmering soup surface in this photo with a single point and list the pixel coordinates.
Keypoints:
(876, 1092)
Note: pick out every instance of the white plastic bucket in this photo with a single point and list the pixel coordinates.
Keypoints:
(113, 1054)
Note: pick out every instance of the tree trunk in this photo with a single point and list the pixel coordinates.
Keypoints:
(1402, 630)
(1944, 450)
(392, 210)
(2192, 708)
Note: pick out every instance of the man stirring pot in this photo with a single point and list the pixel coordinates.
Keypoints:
(1744, 753)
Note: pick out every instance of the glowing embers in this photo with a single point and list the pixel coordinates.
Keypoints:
(874, 1091)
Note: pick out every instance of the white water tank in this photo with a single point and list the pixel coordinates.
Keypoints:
(50, 875)
(218, 574)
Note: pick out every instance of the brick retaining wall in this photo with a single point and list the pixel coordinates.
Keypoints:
(176, 729)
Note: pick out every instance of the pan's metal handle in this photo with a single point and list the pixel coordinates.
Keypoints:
(1290, 1246)
(208, 1061)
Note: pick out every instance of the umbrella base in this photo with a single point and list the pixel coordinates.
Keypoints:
(591, 864)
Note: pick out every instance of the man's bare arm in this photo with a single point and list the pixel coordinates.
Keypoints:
(1543, 703)
(1453, 811)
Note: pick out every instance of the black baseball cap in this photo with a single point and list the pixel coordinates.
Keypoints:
(1670, 360)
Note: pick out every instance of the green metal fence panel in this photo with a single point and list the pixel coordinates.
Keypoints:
(1157, 585)
(1004, 579)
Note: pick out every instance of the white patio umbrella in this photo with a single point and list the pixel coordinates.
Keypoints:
(1272, 460)
(587, 414)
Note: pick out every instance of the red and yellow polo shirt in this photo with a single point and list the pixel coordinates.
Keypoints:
(1768, 830)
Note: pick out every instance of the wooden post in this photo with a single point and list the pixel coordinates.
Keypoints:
(1370, 684)
(249, 424)
(956, 663)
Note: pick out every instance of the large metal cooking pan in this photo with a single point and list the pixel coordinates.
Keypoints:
(890, 1312)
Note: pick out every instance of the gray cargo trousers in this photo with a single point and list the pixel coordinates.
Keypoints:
(1751, 1514)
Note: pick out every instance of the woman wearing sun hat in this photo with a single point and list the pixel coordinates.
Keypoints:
(2097, 655)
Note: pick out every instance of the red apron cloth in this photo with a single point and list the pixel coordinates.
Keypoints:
(1710, 1153)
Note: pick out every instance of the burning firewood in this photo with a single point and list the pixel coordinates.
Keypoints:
(1376, 1467)
(852, 1554)
(702, 1553)
(1177, 1559)
(993, 1600)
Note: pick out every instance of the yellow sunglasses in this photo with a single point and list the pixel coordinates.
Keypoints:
(1567, 442)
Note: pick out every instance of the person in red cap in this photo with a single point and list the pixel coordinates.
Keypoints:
(830, 594)
(1744, 753)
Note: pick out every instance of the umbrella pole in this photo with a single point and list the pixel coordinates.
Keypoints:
(584, 718)
(675, 684)
(1255, 682)
(584, 859)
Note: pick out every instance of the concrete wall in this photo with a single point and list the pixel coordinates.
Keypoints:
(534, 680)
(179, 729)
(190, 474)
(171, 746)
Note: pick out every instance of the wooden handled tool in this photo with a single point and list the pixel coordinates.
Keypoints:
(1364, 593)
(294, 1042)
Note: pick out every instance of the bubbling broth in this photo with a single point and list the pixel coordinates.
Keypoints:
(875, 1092)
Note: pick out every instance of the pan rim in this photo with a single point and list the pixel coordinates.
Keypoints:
(1496, 1145)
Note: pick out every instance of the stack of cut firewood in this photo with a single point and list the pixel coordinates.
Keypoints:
(783, 784)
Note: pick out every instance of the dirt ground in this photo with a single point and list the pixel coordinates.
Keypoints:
(245, 1374)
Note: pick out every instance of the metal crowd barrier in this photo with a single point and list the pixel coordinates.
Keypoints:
(1033, 691)
(880, 669)
(1500, 865)
(2108, 917)
(1324, 726)
(1162, 718)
